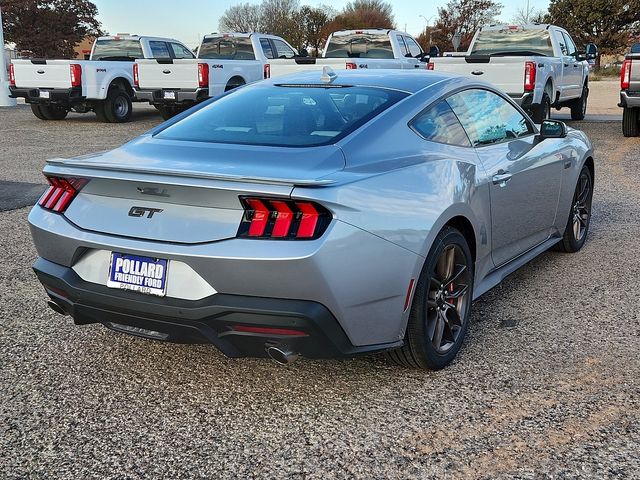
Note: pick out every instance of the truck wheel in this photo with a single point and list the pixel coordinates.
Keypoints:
(52, 113)
(168, 112)
(35, 108)
(543, 111)
(579, 106)
(116, 108)
(630, 118)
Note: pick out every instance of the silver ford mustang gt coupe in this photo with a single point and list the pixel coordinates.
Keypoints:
(319, 215)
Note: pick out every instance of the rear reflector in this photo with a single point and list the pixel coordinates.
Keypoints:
(76, 75)
(407, 299)
(625, 75)
(136, 76)
(267, 71)
(203, 75)
(269, 330)
(351, 66)
(282, 219)
(12, 75)
(61, 192)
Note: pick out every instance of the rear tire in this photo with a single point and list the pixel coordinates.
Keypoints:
(116, 108)
(542, 111)
(630, 119)
(52, 113)
(579, 106)
(168, 112)
(439, 314)
(35, 108)
(575, 233)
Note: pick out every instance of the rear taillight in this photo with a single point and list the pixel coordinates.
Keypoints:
(136, 75)
(12, 75)
(351, 66)
(275, 218)
(203, 75)
(267, 71)
(529, 76)
(625, 75)
(430, 66)
(76, 75)
(61, 192)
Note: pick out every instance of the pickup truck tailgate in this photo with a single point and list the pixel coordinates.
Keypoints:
(177, 74)
(42, 74)
(505, 73)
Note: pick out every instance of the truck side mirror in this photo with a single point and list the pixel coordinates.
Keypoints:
(591, 51)
(303, 53)
(434, 51)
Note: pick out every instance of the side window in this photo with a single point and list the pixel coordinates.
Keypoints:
(439, 124)
(283, 50)
(487, 117)
(414, 48)
(403, 46)
(571, 47)
(266, 48)
(159, 49)
(561, 42)
(179, 51)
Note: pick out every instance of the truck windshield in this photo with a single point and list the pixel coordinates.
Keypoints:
(117, 49)
(360, 45)
(286, 116)
(227, 48)
(510, 41)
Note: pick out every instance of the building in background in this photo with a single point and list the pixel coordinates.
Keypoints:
(83, 49)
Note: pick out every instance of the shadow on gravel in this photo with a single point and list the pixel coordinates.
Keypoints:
(14, 195)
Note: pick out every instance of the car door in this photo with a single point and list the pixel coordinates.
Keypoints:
(574, 72)
(523, 174)
(566, 82)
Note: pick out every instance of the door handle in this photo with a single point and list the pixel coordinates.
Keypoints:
(501, 178)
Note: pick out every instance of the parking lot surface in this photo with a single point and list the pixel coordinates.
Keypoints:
(547, 384)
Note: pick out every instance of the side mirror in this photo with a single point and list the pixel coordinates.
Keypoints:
(552, 129)
(303, 53)
(434, 51)
(591, 51)
(635, 48)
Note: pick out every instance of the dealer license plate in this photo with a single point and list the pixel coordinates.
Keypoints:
(138, 274)
(170, 95)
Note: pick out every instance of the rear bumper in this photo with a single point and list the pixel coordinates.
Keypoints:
(66, 97)
(209, 320)
(629, 99)
(182, 97)
(525, 101)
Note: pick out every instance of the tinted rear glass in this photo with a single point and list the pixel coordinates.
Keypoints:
(361, 45)
(513, 41)
(117, 50)
(227, 48)
(284, 116)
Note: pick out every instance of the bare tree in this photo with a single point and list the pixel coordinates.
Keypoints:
(464, 16)
(243, 17)
(282, 18)
(526, 15)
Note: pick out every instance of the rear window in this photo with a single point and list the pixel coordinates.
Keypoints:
(361, 45)
(227, 48)
(512, 41)
(284, 116)
(111, 49)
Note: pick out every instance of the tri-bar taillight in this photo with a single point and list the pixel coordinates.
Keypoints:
(625, 75)
(61, 192)
(282, 219)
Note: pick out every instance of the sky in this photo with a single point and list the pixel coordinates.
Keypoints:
(189, 20)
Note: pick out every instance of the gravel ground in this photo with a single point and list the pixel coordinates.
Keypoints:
(547, 384)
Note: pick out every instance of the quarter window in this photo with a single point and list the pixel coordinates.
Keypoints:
(403, 46)
(414, 48)
(439, 124)
(571, 47)
(266, 48)
(159, 49)
(487, 117)
(283, 50)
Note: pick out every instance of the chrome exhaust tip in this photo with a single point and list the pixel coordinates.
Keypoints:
(282, 355)
(57, 308)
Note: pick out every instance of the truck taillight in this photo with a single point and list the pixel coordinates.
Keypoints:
(625, 75)
(529, 76)
(430, 66)
(282, 219)
(76, 75)
(266, 71)
(61, 192)
(136, 75)
(203, 75)
(12, 75)
(351, 66)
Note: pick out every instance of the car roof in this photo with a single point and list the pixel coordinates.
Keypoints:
(410, 81)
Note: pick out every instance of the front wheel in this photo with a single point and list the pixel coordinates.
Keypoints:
(575, 233)
(630, 119)
(579, 106)
(439, 313)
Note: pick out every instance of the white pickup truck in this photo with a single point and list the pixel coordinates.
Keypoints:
(103, 84)
(229, 60)
(538, 66)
